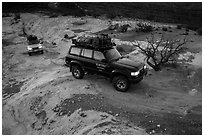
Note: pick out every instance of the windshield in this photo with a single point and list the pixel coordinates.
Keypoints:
(112, 54)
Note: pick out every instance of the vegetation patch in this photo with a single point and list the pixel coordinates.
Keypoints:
(7, 42)
(161, 52)
(143, 27)
(12, 88)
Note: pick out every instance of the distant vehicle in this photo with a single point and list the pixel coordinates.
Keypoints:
(35, 48)
(107, 62)
(35, 45)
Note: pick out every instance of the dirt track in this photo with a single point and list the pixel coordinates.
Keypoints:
(40, 96)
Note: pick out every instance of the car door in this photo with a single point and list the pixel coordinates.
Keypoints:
(87, 59)
(100, 64)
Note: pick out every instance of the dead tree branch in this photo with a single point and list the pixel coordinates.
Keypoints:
(160, 52)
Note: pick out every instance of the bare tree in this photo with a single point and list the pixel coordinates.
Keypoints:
(160, 52)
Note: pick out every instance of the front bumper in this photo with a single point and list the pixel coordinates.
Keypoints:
(136, 79)
(35, 50)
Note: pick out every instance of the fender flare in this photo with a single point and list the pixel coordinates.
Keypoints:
(76, 63)
(118, 72)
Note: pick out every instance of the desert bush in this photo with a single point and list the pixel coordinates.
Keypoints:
(159, 53)
(185, 33)
(123, 28)
(66, 36)
(144, 27)
(179, 26)
(17, 16)
(7, 42)
(125, 49)
(120, 49)
(199, 31)
(187, 29)
(113, 27)
(164, 28)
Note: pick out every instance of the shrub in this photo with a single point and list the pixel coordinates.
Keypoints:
(17, 16)
(123, 28)
(164, 29)
(178, 26)
(66, 36)
(6, 42)
(144, 27)
(187, 29)
(120, 49)
(185, 33)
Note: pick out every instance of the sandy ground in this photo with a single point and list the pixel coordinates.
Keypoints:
(40, 96)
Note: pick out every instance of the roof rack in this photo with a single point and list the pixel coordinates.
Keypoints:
(99, 42)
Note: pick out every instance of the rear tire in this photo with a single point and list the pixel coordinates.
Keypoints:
(77, 72)
(120, 83)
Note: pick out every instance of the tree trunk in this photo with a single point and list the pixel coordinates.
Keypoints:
(156, 67)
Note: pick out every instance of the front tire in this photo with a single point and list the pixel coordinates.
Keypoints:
(77, 72)
(121, 83)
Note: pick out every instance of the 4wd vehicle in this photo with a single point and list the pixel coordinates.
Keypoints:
(107, 62)
(35, 45)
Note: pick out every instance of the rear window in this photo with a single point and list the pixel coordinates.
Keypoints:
(75, 51)
(98, 55)
(87, 53)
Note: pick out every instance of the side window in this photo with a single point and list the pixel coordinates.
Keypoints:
(98, 55)
(87, 53)
(75, 51)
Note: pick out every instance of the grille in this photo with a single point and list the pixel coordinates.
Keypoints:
(35, 48)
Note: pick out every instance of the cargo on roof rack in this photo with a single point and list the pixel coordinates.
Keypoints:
(100, 41)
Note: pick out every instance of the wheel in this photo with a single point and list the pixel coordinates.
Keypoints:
(120, 83)
(29, 53)
(41, 52)
(77, 72)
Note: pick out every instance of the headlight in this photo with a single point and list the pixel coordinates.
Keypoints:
(40, 46)
(135, 73)
(145, 66)
(29, 48)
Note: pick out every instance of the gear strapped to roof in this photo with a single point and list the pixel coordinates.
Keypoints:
(100, 41)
